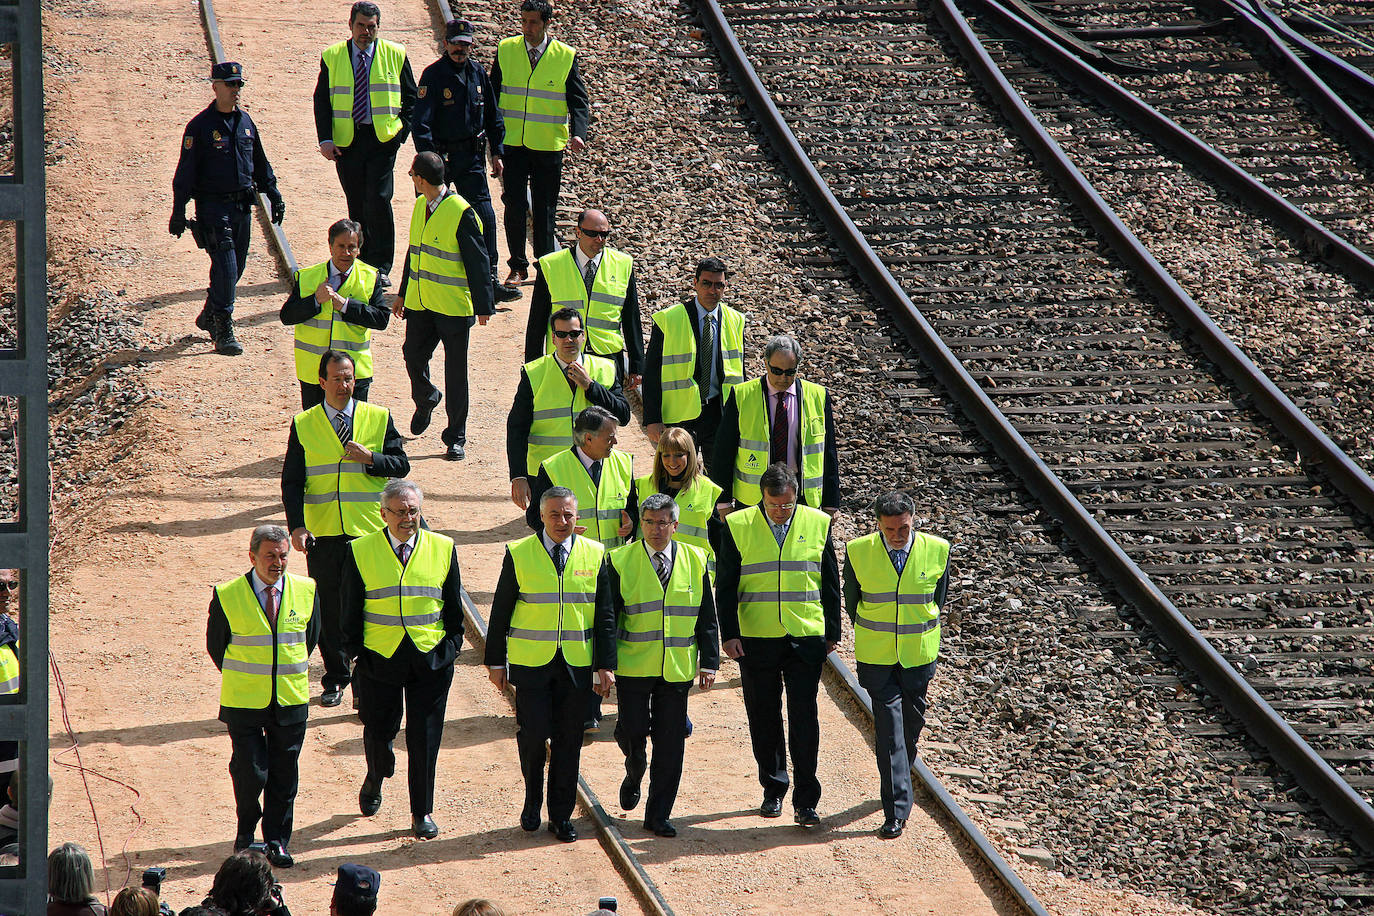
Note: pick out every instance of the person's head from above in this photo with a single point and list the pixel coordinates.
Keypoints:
(459, 36)
(658, 515)
(594, 431)
(567, 334)
(267, 550)
(336, 378)
(675, 458)
(134, 901)
(779, 486)
(355, 891)
(427, 174)
(593, 229)
(345, 241)
(71, 877)
(781, 357)
(895, 511)
(243, 886)
(558, 512)
(478, 907)
(534, 20)
(401, 502)
(709, 282)
(363, 21)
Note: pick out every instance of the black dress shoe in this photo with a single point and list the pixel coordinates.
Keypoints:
(455, 452)
(370, 797)
(529, 820)
(771, 807)
(564, 830)
(332, 697)
(424, 827)
(807, 817)
(629, 792)
(278, 856)
(419, 422)
(242, 841)
(505, 293)
(892, 828)
(203, 322)
(662, 827)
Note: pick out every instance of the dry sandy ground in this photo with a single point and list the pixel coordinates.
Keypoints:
(136, 565)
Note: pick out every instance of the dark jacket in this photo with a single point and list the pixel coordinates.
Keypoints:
(221, 154)
(579, 106)
(456, 104)
(391, 461)
(373, 313)
(521, 417)
(476, 263)
(652, 388)
(727, 588)
(324, 106)
(631, 327)
(707, 629)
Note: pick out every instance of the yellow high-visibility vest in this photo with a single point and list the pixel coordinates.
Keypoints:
(598, 506)
(600, 310)
(438, 277)
(534, 102)
(384, 89)
(327, 330)
(656, 635)
(755, 427)
(9, 670)
(553, 611)
(259, 663)
(402, 601)
(556, 403)
(677, 379)
(340, 495)
(695, 504)
(897, 620)
(780, 587)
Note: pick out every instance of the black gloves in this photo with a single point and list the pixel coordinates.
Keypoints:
(177, 225)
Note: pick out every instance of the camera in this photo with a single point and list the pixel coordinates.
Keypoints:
(607, 903)
(309, 542)
(152, 880)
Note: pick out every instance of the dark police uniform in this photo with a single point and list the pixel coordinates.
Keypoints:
(222, 163)
(456, 116)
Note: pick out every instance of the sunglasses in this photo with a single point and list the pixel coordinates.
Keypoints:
(595, 233)
(785, 373)
(9, 585)
(568, 335)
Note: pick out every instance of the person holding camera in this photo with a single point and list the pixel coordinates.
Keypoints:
(245, 886)
(262, 628)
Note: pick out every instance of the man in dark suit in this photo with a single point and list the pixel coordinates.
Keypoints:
(552, 622)
(262, 628)
(778, 599)
(403, 622)
(364, 100)
(688, 375)
(778, 418)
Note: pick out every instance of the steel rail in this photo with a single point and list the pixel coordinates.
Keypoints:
(282, 248)
(1336, 796)
(1309, 234)
(1334, 69)
(611, 838)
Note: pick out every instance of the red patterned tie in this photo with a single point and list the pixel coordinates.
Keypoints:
(271, 609)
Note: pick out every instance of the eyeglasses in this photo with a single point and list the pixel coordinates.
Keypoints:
(781, 507)
(9, 585)
(568, 335)
(712, 284)
(595, 233)
(406, 512)
(785, 373)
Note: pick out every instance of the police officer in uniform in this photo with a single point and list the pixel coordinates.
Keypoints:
(456, 116)
(364, 100)
(338, 457)
(261, 631)
(599, 282)
(778, 597)
(222, 164)
(403, 622)
(667, 637)
(895, 582)
(546, 109)
(336, 305)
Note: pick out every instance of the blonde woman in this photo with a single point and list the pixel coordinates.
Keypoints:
(678, 473)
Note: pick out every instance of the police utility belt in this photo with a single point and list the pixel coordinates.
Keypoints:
(466, 146)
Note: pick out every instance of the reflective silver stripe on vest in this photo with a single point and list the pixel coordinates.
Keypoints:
(385, 110)
(733, 380)
(535, 93)
(679, 610)
(578, 304)
(551, 413)
(319, 349)
(754, 444)
(743, 477)
(549, 635)
(10, 686)
(780, 566)
(553, 597)
(678, 358)
(518, 115)
(396, 620)
(404, 591)
(732, 354)
(643, 607)
(384, 87)
(891, 626)
(646, 636)
(604, 324)
(345, 467)
(888, 597)
(608, 513)
(777, 597)
(679, 642)
(324, 324)
(432, 277)
(340, 90)
(677, 383)
(588, 512)
(608, 297)
(813, 448)
(316, 499)
(234, 664)
(691, 530)
(548, 440)
(438, 252)
(809, 482)
(265, 639)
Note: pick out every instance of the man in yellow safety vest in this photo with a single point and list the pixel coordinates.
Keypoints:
(895, 582)
(262, 628)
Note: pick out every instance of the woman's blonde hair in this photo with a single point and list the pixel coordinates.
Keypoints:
(478, 907)
(677, 440)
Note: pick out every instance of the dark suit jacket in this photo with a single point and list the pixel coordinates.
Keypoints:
(852, 590)
(542, 482)
(391, 461)
(579, 106)
(324, 106)
(217, 636)
(652, 387)
(394, 669)
(521, 417)
(707, 629)
(727, 589)
(373, 313)
(541, 308)
(476, 264)
(727, 447)
(503, 606)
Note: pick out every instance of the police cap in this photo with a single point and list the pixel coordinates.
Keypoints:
(458, 30)
(230, 71)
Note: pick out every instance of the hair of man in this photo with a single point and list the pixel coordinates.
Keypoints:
(334, 356)
(659, 502)
(345, 227)
(778, 479)
(710, 266)
(894, 502)
(782, 343)
(274, 533)
(553, 493)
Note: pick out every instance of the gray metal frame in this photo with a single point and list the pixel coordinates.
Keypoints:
(24, 375)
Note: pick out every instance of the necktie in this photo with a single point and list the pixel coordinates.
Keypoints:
(343, 428)
(898, 559)
(596, 472)
(661, 564)
(589, 276)
(336, 280)
(706, 358)
(271, 609)
(360, 89)
(404, 553)
(534, 58)
(779, 533)
(777, 449)
(558, 558)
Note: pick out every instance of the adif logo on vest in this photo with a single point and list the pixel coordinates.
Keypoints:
(754, 460)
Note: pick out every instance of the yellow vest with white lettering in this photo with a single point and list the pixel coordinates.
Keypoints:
(553, 611)
(780, 587)
(402, 601)
(656, 635)
(327, 330)
(260, 664)
(897, 620)
(384, 89)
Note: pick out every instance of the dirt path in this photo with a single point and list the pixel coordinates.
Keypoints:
(128, 613)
